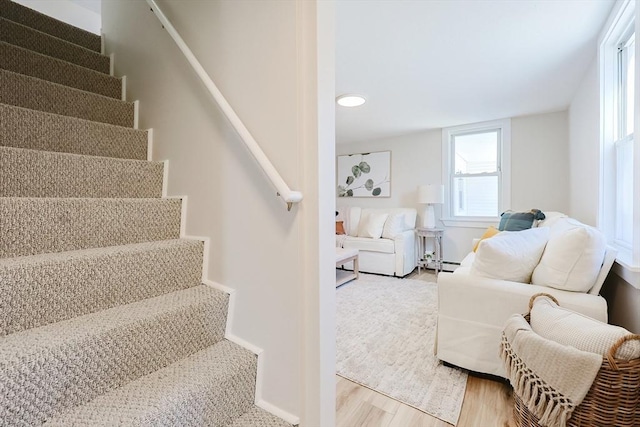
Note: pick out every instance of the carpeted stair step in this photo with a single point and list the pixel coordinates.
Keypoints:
(69, 363)
(42, 225)
(31, 18)
(257, 417)
(38, 130)
(211, 388)
(41, 289)
(28, 62)
(34, 173)
(43, 43)
(37, 94)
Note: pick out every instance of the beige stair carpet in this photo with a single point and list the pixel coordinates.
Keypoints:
(30, 63)
(38, 130)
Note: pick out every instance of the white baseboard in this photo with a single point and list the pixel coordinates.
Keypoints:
(165, 179)
(136, 113)
(123, 85)
(291, 419)
(150, 145)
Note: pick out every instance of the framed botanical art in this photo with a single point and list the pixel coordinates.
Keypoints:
(364, 174)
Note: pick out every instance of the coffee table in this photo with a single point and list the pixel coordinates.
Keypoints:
(344, 256)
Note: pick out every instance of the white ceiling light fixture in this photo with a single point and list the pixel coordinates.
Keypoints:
(350, 100)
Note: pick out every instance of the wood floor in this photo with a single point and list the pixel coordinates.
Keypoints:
(487, 403)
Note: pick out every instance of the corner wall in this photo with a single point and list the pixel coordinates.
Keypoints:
(254, 51)
(539, 173)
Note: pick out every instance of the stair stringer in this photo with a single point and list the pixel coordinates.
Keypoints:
(259, 400)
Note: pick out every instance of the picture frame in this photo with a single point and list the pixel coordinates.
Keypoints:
(364, 174)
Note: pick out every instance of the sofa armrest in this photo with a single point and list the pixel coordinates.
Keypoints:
(493, 301)
(405, 248)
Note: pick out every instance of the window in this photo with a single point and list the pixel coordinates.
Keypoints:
(624, 116)
(475, 173)
(619, 213)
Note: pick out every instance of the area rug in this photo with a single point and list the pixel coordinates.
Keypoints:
(385, 335)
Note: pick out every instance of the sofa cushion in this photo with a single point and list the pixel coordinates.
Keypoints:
(550, 218)
(394, 225)
(368, 244)
(511, 255)
(573, 257)
(372, 224)
(579, 331)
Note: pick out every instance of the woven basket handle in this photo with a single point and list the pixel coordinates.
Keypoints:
(611, 355)
(541, 294)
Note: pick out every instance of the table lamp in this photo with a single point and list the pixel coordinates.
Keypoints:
(429, 195)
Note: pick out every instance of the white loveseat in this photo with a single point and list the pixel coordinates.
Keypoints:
(473, 309)
(393, 252)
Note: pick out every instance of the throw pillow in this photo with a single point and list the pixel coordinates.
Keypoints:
(577, 330)
(491, 231)
(518, 221)
(340, 227)
(393, 226)
(371, 225)
(572, 259)
(510, 255)
(353, 220)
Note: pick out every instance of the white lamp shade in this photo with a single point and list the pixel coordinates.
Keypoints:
(431, 193)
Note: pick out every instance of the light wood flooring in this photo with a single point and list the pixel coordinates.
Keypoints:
(487, 403)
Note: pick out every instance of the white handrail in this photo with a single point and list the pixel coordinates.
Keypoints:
(288, 195)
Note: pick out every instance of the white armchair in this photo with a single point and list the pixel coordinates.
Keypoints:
(472, 311)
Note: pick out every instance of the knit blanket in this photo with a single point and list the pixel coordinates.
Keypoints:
(551, 379)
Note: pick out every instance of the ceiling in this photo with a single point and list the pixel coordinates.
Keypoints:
(426, 64)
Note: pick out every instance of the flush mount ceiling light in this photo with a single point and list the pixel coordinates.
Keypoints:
(350, 100)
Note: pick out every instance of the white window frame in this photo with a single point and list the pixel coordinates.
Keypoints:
(618, 25)
(504, 172)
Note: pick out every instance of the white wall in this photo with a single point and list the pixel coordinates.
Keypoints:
(538, 167)
(540, 162)
(76, 13)
(584, 149)
(267, 68)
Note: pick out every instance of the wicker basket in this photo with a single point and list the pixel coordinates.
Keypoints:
(613, 399)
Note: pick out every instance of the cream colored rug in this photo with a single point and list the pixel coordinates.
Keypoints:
(385, 336)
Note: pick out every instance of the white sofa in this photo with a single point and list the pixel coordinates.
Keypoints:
(394, 253)
(473, 309)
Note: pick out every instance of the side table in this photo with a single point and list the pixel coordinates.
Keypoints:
(436, 235)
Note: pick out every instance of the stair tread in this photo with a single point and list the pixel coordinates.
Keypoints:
(47, 288)
(66, 364)
(28, 128)
(34, 19)
(96, 252)
(28, 62)
(175, 395)
(32, 92)
(47, 44)
(34, 173)
(32, 225)
(16, 347)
